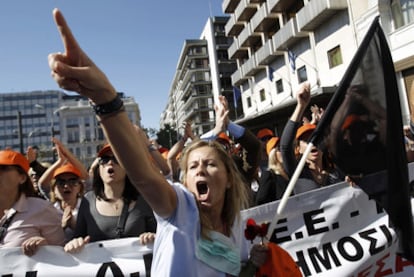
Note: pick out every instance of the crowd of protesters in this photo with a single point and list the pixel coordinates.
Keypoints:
(133, 190)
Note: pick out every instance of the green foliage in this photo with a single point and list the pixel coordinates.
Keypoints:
(167, 136)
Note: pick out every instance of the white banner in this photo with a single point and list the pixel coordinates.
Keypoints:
(123, 257)
(335, 231)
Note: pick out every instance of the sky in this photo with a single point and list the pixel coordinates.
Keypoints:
(137, 43)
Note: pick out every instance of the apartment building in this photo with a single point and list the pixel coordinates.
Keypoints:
(278, 44)
(203, 73)
(32, 118)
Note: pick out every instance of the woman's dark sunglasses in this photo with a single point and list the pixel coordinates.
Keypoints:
(70, 182)
(105, 159)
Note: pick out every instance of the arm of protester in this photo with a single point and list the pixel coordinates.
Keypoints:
(287, 138)
(34, 163)
(303, 98)
(47, 177)
(222, 120)
(74, 70)
(70, 157)
(159, 160)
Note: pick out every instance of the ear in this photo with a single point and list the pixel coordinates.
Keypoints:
(297, 148)
(23, 179)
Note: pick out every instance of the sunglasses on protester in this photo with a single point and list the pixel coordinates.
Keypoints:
(105, 159)
(70, 182)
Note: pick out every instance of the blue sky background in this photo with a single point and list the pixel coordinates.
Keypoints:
(136, 43)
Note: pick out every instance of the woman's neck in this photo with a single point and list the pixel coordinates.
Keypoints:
(7, 201)
(71, 203)
(216, 222)
(114, 191)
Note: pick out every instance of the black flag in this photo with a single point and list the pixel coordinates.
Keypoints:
(362, 131)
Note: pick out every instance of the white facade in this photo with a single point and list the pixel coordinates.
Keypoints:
(265, 31)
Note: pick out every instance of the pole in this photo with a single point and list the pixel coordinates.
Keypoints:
(20, 131)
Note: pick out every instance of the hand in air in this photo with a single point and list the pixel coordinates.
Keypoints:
(73, 70)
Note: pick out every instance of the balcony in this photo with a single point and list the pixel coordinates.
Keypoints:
(287, 35)
(247, 38)
(263, 20)
(249, 68)
(235, 52)
(228, 6)
(237, 77)
(245, 10)
(316, 12)
(266, 54)
(233, 28)
(278, 6)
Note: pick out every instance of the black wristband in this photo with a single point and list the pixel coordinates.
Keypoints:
(110, 107)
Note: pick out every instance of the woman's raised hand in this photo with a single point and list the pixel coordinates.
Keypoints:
(73, 70)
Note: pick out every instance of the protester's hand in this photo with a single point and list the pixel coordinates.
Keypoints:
(76, 245)
(259, 254)
(188, 130)
(146, 238)
(303, 95)
(316, 114)
(31, 154)
(60, 151)
(222, 112)
(31, 245)
(67, 217)
(74, 70)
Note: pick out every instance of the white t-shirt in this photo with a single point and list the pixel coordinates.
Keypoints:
(176, 240)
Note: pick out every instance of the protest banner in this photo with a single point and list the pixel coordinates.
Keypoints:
(122, 257)
(335, 231)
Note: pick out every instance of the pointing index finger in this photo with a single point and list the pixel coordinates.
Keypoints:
(69, 42)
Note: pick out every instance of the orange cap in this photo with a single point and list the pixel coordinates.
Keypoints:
(165, 154)
(271, 143)
(223, 136)
(104, 149)
(304, 129)
(10, 157)
(349, 120)
(163, 149)
(265, 132)
(67, 168)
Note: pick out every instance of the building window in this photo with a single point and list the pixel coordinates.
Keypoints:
(302, 75)
(262, 95)
(279, 86)
(402, 12)
(335, 56)
(249, 102)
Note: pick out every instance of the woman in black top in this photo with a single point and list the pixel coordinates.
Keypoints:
(318, 171)
(113, 198)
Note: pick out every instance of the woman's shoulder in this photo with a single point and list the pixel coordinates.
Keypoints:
(90, 195)
(35, 205)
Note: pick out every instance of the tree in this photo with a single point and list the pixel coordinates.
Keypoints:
(167, 136)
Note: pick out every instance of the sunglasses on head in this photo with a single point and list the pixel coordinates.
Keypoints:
(70, 182)
(105, 159)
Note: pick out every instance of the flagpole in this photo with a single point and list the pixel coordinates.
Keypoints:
(290, 187)
(294, 179)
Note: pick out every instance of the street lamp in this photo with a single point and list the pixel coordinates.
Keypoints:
(20, 131)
